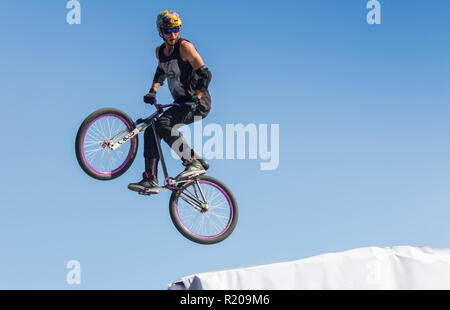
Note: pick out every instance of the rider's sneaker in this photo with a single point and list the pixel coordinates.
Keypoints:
(148, 184)
(194, 167)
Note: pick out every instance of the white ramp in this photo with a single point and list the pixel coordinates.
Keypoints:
(391, 268)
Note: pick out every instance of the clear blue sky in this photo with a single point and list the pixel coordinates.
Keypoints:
(364, 134)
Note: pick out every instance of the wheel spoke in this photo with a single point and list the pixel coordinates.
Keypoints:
(94, 138)
(109, 127)
(102, 128)
(98, 131)
(218, 206)
(216, 195)
(92, 143)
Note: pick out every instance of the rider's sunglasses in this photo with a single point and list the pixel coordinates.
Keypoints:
(170, 30)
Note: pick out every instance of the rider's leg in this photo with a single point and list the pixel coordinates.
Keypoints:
(151, 166)
(193, 162)
(149, 181)
(167, 128)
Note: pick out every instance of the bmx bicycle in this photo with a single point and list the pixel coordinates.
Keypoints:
(202, 208)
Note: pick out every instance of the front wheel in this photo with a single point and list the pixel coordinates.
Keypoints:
(204, 210)
(98, 131)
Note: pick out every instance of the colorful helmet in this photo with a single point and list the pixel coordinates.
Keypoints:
(167, 19)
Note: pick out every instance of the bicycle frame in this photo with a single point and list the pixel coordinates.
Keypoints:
(150, 121)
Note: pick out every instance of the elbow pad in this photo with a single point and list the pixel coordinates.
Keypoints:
(160, 76)
(203, 77)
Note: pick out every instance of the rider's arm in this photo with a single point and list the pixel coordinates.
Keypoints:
(160, 76)
(189, 53)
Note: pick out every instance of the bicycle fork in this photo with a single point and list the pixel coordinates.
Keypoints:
(196, 202)
(114, 144)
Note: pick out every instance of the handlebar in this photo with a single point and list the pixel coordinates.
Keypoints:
(160, 109)
(162, 106)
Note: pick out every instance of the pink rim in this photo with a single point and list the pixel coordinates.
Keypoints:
(129, 154)
(229, 204)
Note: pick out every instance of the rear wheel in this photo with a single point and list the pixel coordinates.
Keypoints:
(97, 132)
(204, 210)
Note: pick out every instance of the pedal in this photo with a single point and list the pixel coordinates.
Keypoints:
(150, 192)
(144, 193)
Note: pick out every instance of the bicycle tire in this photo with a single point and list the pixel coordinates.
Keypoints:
(196, 237)
(82, 154)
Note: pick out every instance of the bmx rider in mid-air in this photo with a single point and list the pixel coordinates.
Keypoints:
(188, 79)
